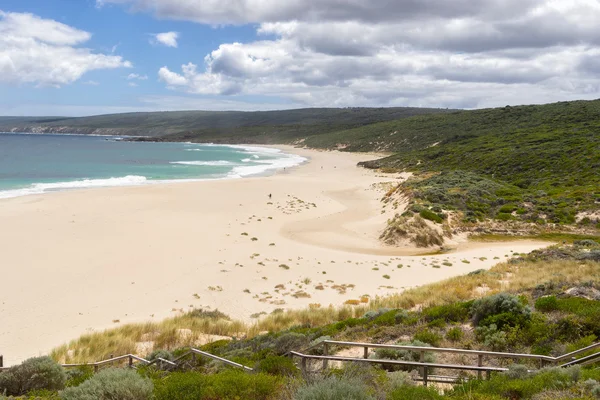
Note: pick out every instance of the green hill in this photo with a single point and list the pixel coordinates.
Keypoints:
(217, 126)
(532, 163)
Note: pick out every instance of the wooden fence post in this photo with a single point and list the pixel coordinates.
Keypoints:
(479, 364)
(303, 365)
(130, 361)
(325, 353)
(366, 353)
(1, 361)
(422, 359)
(425, 373)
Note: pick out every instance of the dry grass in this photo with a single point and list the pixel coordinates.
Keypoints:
(165, 334)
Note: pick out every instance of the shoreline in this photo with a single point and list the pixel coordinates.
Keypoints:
(140, 180)
(86, 260)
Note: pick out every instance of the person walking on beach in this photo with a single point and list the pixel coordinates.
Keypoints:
(269, 195)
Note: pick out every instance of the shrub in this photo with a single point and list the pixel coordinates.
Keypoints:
(455, 334)
(164, 354)
(109, 384)
(289, 341)
(492, 337)
(76, 376)
(586, 243)
(454, 312)
(427, 336)
(334, 388)
(517, 371)
(33, 374)
(276, 365)
(227, 385)
(413, 393)
(498, 304)
(404, 355)
(399, 379)
(546, 304)
(430, 215)
(371, 315)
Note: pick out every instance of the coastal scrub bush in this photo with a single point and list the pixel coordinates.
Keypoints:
(33, 374)
(227, 385)
(546, 304)
(334, 388)
(277, 365)
(371, 315)
(430, 215)
(455, 334)
(164, 354)
(76, 376)
(453, 312)
(399, 379)
(492, 337)
(404, 355)
(427, 336)
(289, 341)
(414, 392)
(109, 384)
(502, 303)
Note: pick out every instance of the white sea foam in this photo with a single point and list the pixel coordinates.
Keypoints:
(255, 166)
(39, 188)
(205, 163)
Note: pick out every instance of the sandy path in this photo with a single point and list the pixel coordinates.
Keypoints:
(74, 262)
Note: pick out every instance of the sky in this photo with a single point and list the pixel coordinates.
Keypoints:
(87, 57)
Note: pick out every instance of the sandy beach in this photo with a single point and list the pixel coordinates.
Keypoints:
(87, 260)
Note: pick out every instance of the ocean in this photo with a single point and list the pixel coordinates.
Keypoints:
(35, 164)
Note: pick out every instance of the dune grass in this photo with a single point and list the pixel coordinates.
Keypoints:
(167, 334)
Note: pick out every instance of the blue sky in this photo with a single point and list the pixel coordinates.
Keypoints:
(82, 57)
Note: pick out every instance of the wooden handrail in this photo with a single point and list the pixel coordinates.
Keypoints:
(571, 354)
(423, 366)
(439, 350)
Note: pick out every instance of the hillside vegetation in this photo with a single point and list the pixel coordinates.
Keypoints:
(551, 306)
(532, 164)
(216, 126)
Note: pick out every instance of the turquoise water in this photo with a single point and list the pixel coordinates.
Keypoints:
(33, 164)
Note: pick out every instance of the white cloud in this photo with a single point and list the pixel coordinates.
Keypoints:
(168, 39)
(454, 53)
(91, 83)
(134, 76)
(133, 84)
(44, 52)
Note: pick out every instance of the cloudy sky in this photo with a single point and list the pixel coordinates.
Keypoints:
(67, 57)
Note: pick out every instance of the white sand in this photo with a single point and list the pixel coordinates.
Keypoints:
(73, 262)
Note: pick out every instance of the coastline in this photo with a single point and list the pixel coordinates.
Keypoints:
(78, 261)
(256, 164)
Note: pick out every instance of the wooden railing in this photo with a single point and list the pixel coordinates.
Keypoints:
(424, 367)
(160, 362)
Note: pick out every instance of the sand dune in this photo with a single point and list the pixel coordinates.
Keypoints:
(73, 262)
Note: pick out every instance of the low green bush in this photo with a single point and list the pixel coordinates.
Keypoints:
(164, 354)
(427, 336)
(546, 304)
(289, 341)
(455, 334)
(404, 355)
(414, 393)
(227, 385)
(430, 215)
(276, 365)
(502, 303)
(33, 374)
(454, 312)
(76, 376)
(110, 384)
(334, 388)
